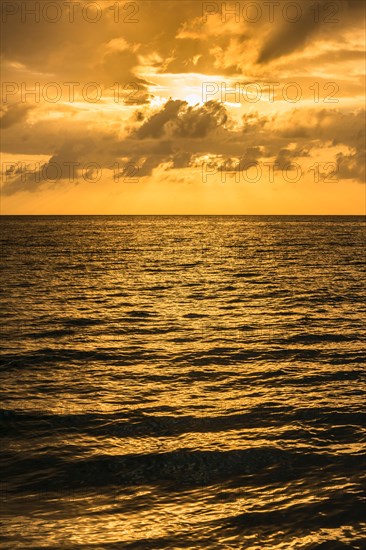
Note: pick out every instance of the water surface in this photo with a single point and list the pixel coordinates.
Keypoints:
(183, 382)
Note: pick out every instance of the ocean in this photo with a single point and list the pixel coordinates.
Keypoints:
(183, 382)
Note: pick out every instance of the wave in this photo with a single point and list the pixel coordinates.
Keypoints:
(301, 425)
(183, 468)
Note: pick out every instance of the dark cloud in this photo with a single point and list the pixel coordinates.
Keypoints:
(286, 156)
(13, 114)
(154, 127)
(334, 127)
(181, 159)
(178, 135)
(199, 121)
(244, 162)
(329, 19)
(352, 166)
(179, 120)
(289, 36)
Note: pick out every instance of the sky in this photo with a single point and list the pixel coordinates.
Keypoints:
(183, 107)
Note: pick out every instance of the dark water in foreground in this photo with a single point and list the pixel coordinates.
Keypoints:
(183, 382)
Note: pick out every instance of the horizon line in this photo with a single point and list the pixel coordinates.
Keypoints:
(188, 215)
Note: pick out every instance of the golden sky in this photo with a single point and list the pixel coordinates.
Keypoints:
(183, 107)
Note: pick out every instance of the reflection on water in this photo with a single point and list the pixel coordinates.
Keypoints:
(183, 382)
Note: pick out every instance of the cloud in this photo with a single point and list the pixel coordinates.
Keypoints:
(179, 120)
(13, 114)
(154, 127)
(286, 156)
(324, 19)
(352, 166)
(288, 36)
(333, 126)
(178, 135)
